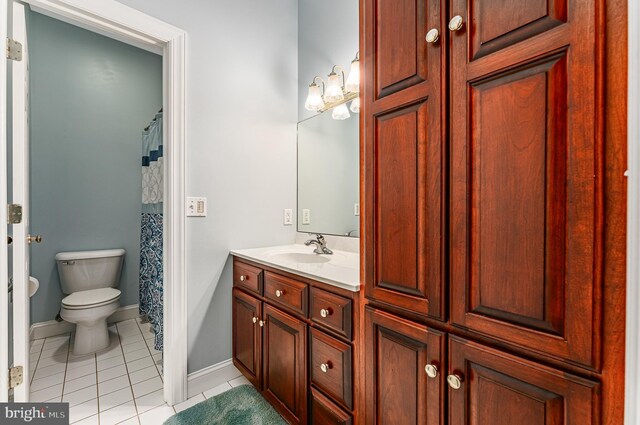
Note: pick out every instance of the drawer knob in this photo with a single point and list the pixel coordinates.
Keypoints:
(261, 323)
(255, 320)
(433, 35)
(279, 293)
(455, 381)
(325, 312)
(324, 367)
(243, 278)
(431, 370)
(455, 24)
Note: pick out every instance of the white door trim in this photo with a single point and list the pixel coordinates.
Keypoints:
(4, 267)
(115, 20)
(632, 369)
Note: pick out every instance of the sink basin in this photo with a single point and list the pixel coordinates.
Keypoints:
(299, 257)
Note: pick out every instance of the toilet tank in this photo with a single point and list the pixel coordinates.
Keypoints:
(85, 270)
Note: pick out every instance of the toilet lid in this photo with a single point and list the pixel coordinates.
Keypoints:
(91, 298)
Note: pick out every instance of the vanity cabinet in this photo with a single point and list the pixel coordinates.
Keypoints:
(293, 338)
(492, 177)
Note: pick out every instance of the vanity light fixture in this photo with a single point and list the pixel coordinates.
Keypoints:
(340, 112)
(355, 105)
(314, 98)
(353, 82)
(335, 90)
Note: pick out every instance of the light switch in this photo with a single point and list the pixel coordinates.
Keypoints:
(196, 207)
(288, 217)
(356, 209)
(306, 216)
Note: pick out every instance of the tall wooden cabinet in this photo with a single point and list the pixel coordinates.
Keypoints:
(493, 158)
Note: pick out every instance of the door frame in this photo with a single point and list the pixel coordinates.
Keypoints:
(123, 23)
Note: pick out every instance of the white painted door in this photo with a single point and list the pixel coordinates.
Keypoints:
(20, 195)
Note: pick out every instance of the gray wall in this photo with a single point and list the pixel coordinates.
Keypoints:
(241, 146)
(324, 41)
(91, 97)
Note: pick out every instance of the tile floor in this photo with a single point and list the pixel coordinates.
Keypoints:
(121, 384)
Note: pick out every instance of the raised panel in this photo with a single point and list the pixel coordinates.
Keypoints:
(497, 24)
(401, 53)
(500, 389)
(397, 388)
(337, 380)
(247, 341)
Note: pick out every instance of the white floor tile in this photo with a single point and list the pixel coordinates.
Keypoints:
(128, 331)
(130, 339)
(112, 385)
(132, 421)
(35, 349)
(239, 381)
(138, 345)
(110, 362)
(61, 351)
(79, 361)
(49, 381)
(217, 390)
(110, 352)
(150, 401)
(79, 383)
(78, 372)
(91, 420)
(119, 414)
(189, 403)
(46, 394)
(43, 372)
(80, 396)
(146, 387)
(156, 416)
(53, 360)
(143, 374)
(83, 411)
(135, 355)
(111, 373)
(115, 398)
(139, 364)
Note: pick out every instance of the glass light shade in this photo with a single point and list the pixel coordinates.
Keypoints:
(340, 112)
(333, 93)
(353, 82)
(355, 105)
(314, 99)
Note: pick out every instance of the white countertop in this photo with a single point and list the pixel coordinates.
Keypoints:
(342, 269)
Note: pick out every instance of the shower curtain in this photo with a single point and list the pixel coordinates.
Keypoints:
(151, 228)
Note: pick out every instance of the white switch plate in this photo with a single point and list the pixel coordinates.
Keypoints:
(306, 216)
(288, 217)
(356, 209)
(196, 207)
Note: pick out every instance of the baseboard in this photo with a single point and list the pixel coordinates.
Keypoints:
(210, 377)
(53, 327)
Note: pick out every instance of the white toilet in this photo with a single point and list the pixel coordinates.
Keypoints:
(90, 278)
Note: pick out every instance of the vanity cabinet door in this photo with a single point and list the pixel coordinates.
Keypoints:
(285, 364)
(398, 390)
(493, 388)
(404, 155)
(247, 336)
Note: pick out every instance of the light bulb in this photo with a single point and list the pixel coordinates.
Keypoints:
(314, 99)
(340, 112)
(355, 105)
(333, 93)
(353, 82)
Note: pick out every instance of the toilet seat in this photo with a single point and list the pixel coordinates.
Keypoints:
(90, 299)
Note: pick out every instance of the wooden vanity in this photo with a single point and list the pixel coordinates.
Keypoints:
(294, 339)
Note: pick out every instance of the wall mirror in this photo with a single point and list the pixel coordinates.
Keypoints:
(328, 177)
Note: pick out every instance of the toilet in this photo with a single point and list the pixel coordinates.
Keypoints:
(89, 280)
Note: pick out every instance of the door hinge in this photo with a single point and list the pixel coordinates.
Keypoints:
(14, 213)
(14, 50)
(16, 376)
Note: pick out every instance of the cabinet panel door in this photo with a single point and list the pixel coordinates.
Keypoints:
(285, 364)
(500, 389)
(247, 336)
(325, 412)
(404, 155)
(525, 211)
(398, 390)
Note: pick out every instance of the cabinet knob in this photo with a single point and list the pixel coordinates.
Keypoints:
(455, 381)
(261, 323)
(255, 320)
(243, 278)
(325, 312)
(279, 293)
(433, 35)
(455, 24)
(431, 370)
(324, 367)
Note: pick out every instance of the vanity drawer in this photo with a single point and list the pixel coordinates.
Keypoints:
(325, 412)
(286, 292)
(331, 369)
(331, 311)
(248, 277)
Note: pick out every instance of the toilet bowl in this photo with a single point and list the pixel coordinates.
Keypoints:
(90, 278)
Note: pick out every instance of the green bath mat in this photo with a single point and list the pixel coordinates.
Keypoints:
(241, 405)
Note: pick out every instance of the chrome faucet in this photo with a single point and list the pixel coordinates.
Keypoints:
(320, 243)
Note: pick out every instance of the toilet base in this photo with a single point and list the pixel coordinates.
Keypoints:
(91, 337)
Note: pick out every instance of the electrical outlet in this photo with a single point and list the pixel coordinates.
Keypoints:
(196, 207)
(288, 217)
(306, 216)
(356, 209)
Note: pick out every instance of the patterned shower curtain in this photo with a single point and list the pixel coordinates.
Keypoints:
(151, 228)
